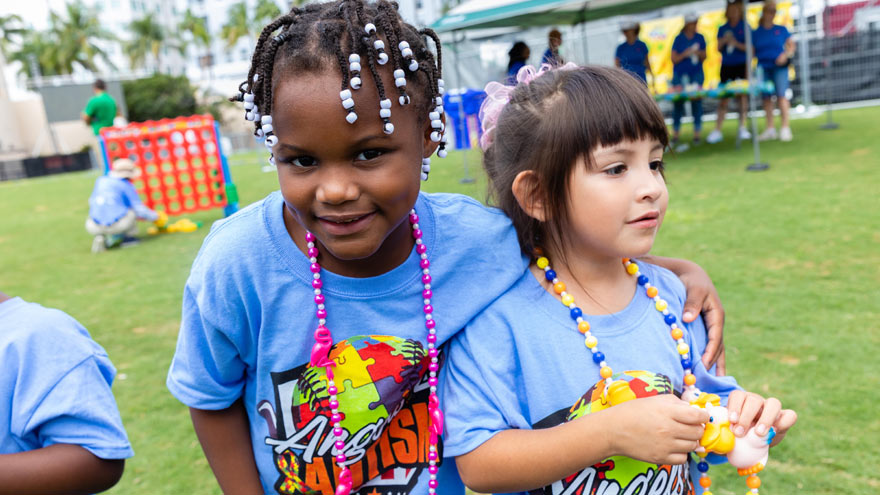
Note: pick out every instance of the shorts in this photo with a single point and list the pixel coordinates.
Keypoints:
(779, 77)
(732, 72)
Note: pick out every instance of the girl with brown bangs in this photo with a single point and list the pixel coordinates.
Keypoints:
(577, 379)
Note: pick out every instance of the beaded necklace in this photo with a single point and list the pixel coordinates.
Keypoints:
(690, 392)
(324, 342)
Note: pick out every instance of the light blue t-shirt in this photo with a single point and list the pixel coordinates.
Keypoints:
(769, 43)
(522, 364)
(111, 199)
(55, 384)
(687, 66)
(731, 55)
(248, 329)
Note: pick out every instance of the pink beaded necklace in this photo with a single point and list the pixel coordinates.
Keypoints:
(324, 343)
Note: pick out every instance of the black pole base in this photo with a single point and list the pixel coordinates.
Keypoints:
(467, 180)
(757, 167)
(829, 126)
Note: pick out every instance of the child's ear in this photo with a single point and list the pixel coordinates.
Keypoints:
(527, 190)
(430, 146)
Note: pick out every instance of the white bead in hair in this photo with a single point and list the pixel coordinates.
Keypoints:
(385, 113)
(248, 105)
(344, 94)
(403, 45)
(435, 136)
(369, 28)
(249, 116)
(434, 115)
(351, 117)
(348, 103)
(256, 77)
(267, 128)
(406, 53)
(383, 58)
(272, 160)
(440, 83)
(400, 82)
(249, 97)
(426, 168)
(438, 101)
(399, 73)
(259, 133)
(355, 83)
(403, 100)
(441, 153)
(413, 66)
(354, 67)
(388, 128)
(386, 103)
(424, 176)
(378, 44)
(266, 119)
(271, 140)
(439, 108)
(437, 124)
(354, 58)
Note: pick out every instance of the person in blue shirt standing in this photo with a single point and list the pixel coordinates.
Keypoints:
(60, 430)
(632, 54)
(732, 45)
(115, 206)
(688, 53)
(551, 54)
(774, 49)
(519, 55)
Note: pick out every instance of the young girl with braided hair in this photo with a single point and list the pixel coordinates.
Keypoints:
(308, 349)
(575, 158)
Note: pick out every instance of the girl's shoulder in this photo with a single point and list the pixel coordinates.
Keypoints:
(244, 230)
(665, 280)
(459, 216)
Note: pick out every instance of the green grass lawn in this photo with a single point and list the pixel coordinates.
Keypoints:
(794, 251)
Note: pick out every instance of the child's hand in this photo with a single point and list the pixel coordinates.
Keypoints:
(661, 430)
(747, 410)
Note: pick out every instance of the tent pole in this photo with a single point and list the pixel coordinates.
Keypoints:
(830, 125)
(467, 179)
(804, 56)
(756, 165)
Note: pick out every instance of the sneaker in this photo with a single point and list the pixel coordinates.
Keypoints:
(785, 134)
(744, 134)
(98, 244)
(129, 242)
(769, 134)
(714, 137)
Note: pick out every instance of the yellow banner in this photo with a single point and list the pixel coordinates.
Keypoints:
(659, 34)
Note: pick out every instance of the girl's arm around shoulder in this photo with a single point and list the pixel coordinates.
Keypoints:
(58, 468)
(660, 429)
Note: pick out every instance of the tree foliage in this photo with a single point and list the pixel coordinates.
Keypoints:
(163, 96)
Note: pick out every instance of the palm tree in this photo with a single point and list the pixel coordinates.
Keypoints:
(200, 35)
(147, 38)
(76, 35)
(10, 29)
(38, 55)
(266, 12)
(237, 24)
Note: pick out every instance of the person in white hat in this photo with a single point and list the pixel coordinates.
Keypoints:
(688, 53)
(115, 207)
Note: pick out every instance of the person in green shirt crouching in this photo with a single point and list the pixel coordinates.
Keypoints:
(100, 109)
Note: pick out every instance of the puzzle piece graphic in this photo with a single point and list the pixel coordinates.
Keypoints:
(356, 404)
(391, 393)
(351, 367)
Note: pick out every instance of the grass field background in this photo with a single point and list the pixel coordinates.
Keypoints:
(794, 252)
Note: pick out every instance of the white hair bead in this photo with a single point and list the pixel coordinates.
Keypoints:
(438, 101)
(354, 67)
(413, 66)
(441, 90)
(399, 73)
(437, 123)
(383, 58)
(351, 117)
(348, 103)
(388, 128)
(440, 83)
(439, 108)
(266, 119)
(406, 53)
(424, 176)
(271, 140)
(267, 128)
(434, 115)
(403, 100)
(400, 82)
(441, 153)
(248, 97)
(386, 103)
(385, 113)
(354, 58)
(355, 83)
(256, 77)
(345, 94)
(249, 116)
(435, 136)
(378, 44)
(248, 105)
(272, 160)
(259, 133)
(403, 45)
(369, 28)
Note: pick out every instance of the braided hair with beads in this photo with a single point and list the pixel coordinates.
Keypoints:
(348, 33)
